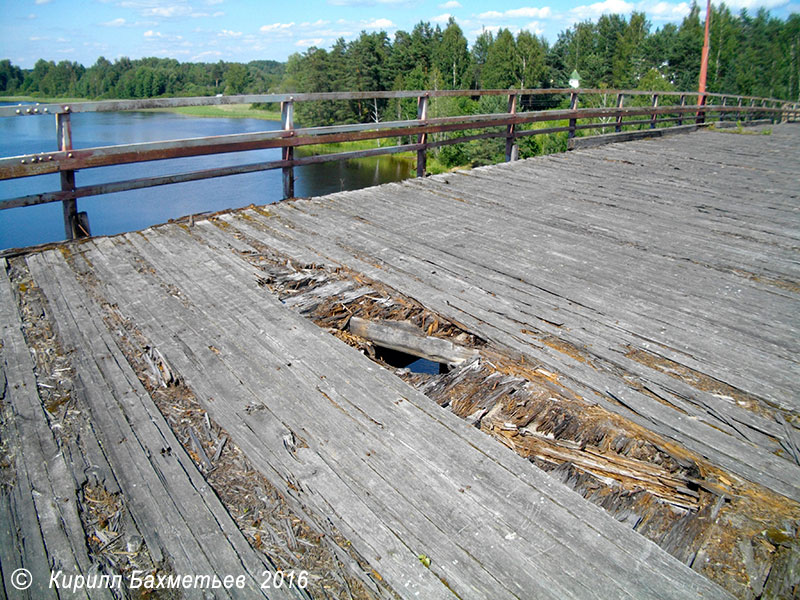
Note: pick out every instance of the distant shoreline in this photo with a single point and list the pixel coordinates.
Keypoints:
(226, 111)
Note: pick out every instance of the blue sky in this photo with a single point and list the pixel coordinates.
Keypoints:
(243, 30)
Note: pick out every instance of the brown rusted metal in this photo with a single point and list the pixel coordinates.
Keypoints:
(69, 203)
(422, 137)
(620, 105)
(512, 109)
(146, 182)
(53, 162)
(67, 160)
(573, 104)
(287, 153)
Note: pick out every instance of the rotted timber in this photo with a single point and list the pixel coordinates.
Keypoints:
(705, 516)
(623, 422)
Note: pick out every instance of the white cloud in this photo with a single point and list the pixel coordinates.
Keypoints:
(229, 33)
(591, 11)
(528, 12)
(206, 54)
(31, 16)
(114, 23)
(450, 4)
(753, 4)
(664, 11)
(153, 34)
(308, 43)
(317, 23)
(535, 28)
(36, 38)
(212, 2)
(378, 24)
(444, 18)
(168, 11)
(43, 1)
(277, 27)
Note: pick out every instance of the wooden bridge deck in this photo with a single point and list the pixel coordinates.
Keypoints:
(190, 399)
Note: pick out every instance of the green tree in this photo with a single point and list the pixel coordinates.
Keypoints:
(499, 71)
(236, 79)
(452, 56)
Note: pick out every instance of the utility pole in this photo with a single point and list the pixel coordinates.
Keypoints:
(701, 92)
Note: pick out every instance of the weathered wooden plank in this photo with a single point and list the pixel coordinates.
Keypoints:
(405, 337)
(194, 354)
(45, 506)
(165, 490)
(203, 284)
(728, 452)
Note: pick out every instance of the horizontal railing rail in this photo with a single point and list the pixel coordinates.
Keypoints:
(690, 109)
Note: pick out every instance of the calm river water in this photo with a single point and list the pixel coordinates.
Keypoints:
(128, 211)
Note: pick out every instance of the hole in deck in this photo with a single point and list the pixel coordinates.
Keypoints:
(415, 364)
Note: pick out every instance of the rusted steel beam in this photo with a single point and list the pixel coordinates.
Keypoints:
(573, 105)
(512, 109)
(69, 203)
(620, 105)
(53, 162)
(422, 137)
(287, 152)
(146, 182)
(654, 116)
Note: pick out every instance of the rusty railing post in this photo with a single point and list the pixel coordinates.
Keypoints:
(654, 116)
(700, 117)
(287, 152)
(422, 138)
(512, 152)
(620, 105)
(573, 122)
(680, 114)
(70, 205)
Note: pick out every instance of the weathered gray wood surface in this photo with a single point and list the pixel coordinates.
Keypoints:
(380, 460)
(182, 521)
(687, 250)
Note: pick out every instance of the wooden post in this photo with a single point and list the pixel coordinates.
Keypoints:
(763, 105)
(654, 116)
(70, 206)
(510, 139)
(683, 104)
(750, 112)
(287, 152)
(422, 138)
(620, 104)
(573, 104)
(739, 112)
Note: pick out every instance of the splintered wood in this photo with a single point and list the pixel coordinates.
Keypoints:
(673, 496)
(613, 413)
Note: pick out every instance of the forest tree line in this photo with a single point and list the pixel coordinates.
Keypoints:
(751, 55)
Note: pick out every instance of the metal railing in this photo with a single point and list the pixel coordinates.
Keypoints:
(676, 109)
